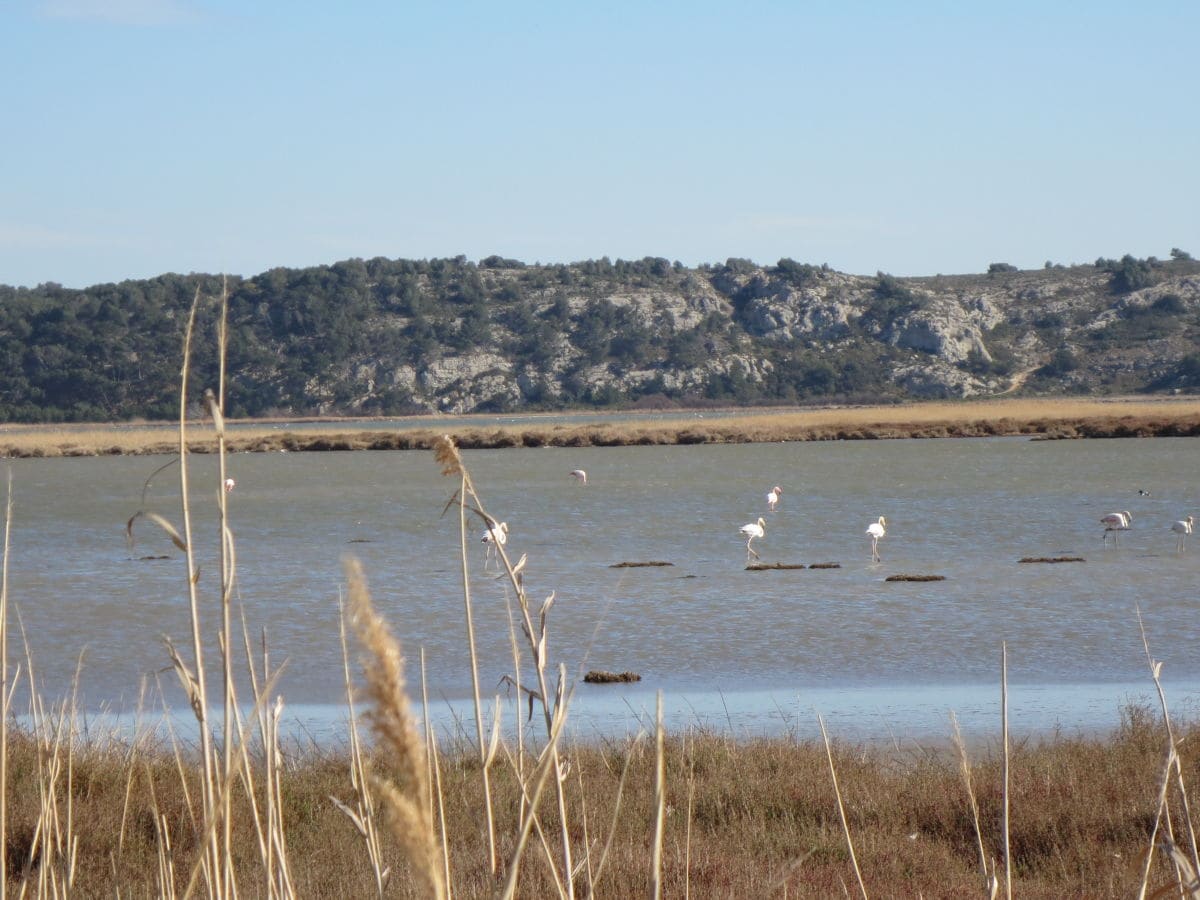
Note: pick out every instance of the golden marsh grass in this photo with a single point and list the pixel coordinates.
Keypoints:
(1049, 418)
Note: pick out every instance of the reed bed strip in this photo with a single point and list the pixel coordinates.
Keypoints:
(1045, 419)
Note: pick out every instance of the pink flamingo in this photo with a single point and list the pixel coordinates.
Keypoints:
(1115, 522)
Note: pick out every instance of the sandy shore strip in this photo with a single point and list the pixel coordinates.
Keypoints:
(1048, 419)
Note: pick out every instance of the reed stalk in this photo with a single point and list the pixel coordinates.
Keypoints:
(837, 793)
(431, 752)
(1156, 675)
(5, 689)
(660, 797)
(216, 408)
(1007, 767)
(362, 815)
(406, 793)
(446, 453)
(990, 884)
(213, 850)
(464, 487)
(547, 763)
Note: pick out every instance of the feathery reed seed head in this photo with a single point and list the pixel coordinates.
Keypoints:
(447, 454)
(405, 793)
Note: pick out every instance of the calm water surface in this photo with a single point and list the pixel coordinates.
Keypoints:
(729, 648)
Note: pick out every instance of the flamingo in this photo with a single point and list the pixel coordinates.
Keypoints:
(579, 475)
(752, 531)
(773, 497)
(230, 484)
(495, 536)
(1114, 522)
(1182, 529)
(876, 530)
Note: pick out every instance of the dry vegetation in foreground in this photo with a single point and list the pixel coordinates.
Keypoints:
(1045, 419)
(753, 818)
(693, 814)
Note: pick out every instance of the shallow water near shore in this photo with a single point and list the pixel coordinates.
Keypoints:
(747, 652)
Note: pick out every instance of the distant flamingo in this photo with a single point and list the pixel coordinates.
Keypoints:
(1115, 522)
(876, 530)
(579, 475)
(230, 484)
(773, 497)
(1182, 529)
(752, 531)
(495, 536)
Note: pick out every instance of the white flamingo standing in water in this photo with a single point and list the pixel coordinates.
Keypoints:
(773, 496)
(752, 531)
(1182, 529)
(876, 530)
(495, 536)
(230, 484)
(579, 475)
(1115, 522)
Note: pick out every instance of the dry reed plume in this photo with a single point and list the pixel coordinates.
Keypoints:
(405, 791)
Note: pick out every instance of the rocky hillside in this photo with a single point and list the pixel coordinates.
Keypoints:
(394, 336)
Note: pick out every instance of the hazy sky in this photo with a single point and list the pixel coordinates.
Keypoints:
(150, 136)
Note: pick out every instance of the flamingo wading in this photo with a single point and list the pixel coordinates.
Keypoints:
(495, 536)
(876, 530)
(752, 531)
(1116, 522)
(773, 496)
(1182, 529)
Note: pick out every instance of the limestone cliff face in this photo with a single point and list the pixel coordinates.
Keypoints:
(747, 333)
(748, 327)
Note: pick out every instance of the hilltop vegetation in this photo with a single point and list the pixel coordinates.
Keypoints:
(385, 336)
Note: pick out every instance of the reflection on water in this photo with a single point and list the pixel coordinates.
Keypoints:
(780, 643)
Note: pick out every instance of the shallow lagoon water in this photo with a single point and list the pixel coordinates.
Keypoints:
(751, 652)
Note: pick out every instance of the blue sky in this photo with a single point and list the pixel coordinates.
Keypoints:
(151, 136)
